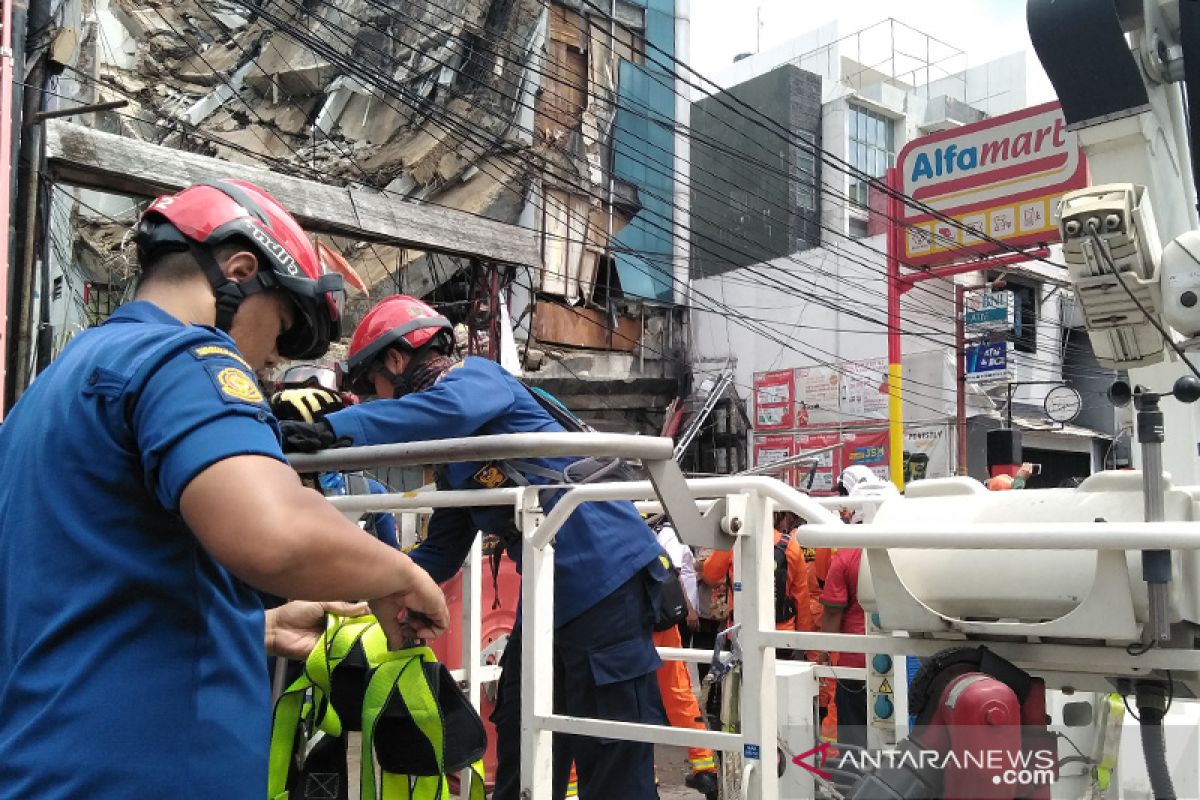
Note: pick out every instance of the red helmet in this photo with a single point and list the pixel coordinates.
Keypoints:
(396, 321)
(211, 213)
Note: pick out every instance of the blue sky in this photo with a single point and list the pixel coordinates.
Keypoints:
(983, 29)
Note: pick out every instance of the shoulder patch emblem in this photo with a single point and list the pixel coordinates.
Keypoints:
(238, 385)
(490, 476)
(214, 351)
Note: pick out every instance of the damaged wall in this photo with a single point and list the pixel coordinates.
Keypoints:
(507, 109)
(467, 103)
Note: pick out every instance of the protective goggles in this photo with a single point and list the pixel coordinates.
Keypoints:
(310, 376)
(359, 379)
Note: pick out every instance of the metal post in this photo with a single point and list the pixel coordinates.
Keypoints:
(493, 312)
(753, 610)
(960, 370)
(895, 399)
(537, 654)
(7, 77)
(472, 631)
(1156, 564)
(1008, 390)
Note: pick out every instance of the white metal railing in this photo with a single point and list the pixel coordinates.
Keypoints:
(746, 504)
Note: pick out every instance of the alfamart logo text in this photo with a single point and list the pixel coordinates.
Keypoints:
(1020, 768)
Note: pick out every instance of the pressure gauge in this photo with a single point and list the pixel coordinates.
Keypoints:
(1063, 404)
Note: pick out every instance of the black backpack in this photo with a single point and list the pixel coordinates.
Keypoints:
(785, 606)
(672, 604)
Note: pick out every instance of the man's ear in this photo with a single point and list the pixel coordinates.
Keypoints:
(394, 360)
(240, 267)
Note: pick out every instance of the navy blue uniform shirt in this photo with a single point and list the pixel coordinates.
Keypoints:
(130, 660)
(600, 546)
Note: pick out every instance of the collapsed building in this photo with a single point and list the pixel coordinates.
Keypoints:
(556, 118)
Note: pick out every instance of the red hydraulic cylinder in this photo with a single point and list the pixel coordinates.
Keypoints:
(977, 731)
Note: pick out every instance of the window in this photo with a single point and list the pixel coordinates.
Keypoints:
(806, 167)
(858, 227)
(56, 292)
(1025, 317)
(872, 149)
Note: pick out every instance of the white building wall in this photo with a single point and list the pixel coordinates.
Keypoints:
(994, 88)
(840, 315)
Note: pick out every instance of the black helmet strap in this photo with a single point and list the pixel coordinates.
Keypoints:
(228, 293)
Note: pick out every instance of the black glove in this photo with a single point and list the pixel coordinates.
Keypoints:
(307, 437)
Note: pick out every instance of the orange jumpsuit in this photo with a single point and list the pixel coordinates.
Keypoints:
(675, 685)
(803, 586)
(799, 586)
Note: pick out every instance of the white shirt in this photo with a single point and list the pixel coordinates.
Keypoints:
(681, 556)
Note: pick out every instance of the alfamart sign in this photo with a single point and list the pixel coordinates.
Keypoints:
(1002, 177)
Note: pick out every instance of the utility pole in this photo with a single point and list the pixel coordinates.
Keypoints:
(7, 76)
(23, 259)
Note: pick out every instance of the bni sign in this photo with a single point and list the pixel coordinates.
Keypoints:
(988, 311)
(988, 362)
(1001, 178)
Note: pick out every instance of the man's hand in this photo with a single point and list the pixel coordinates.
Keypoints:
(293, 629)
(306, 437)
(418, 613)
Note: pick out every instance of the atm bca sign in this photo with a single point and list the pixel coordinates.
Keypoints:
(1002, 177)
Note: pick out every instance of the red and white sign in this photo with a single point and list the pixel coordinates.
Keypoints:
(769, 449)
(868, 448)
(817, 396)
(773, 400)
(1002, 177)
(828, 463)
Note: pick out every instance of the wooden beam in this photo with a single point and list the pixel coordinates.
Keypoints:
(107, 162)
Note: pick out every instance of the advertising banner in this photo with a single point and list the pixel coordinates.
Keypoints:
(773, 400)
(776, 447)
(989, 362)
(829, 465)
(984, 312)
(869, 448)
(864, 391)
(817, 396)
(927, 452)
(1002, 178)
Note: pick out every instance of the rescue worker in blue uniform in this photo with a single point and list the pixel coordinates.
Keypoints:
(146, 502)
(607, 568)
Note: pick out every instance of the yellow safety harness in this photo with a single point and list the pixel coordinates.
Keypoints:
(415, 722)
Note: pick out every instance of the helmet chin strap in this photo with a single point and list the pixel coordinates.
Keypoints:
(229, 294)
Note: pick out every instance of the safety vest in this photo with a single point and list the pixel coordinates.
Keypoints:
(414, 720)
